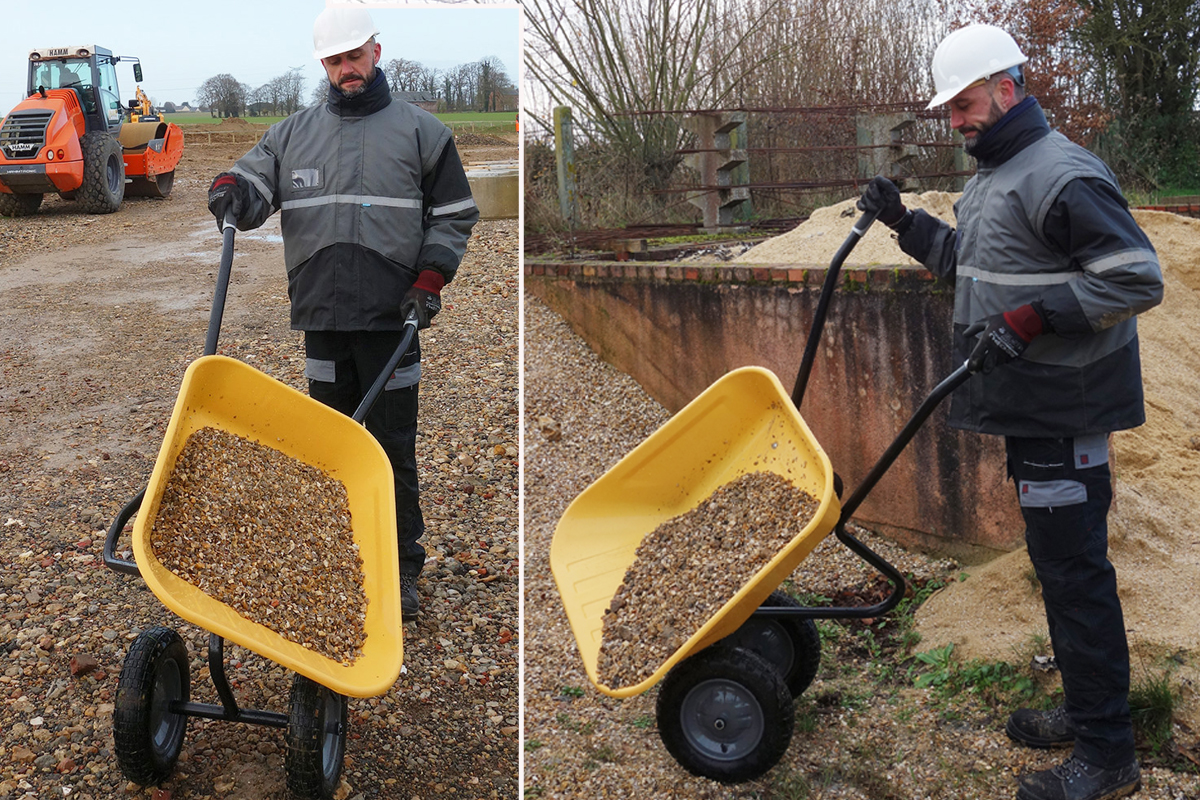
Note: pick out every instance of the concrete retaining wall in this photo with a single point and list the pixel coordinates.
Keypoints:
(677, 328)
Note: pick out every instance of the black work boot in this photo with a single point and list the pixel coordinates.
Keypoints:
(410, 604)
(1077, 780)
(1040, 728)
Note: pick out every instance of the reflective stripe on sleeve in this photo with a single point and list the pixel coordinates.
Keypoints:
(352, 199)
(452, 208)
(1049, 494)
(1021, 279)
(1122, 259)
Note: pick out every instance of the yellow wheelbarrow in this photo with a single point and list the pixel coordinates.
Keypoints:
(152, 704)
(724, 709)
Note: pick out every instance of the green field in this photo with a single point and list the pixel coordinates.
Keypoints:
(497, 121)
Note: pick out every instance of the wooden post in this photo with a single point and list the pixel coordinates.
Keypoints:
(564, 157)
(960, 160)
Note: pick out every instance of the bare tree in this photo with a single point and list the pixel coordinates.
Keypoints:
(429, 80)
(403, 75)
(613, 60)
(224, 95)
(290, 91)
(320, 93)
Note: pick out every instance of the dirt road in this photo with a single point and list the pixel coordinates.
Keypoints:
(100, 317)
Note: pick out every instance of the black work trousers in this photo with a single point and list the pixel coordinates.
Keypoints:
(341, 366)
(1065, 490)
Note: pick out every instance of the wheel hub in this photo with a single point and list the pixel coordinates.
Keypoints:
(722, 719)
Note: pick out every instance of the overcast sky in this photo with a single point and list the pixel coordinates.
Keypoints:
(180, 45)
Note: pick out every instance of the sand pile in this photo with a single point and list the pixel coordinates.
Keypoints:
(1155, 523)
(819, 237)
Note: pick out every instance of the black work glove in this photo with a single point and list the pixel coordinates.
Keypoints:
(228, 192)
(883, 197)
(1005, 337)
(424, 297)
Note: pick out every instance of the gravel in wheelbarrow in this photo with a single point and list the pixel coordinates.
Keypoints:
(691, 565)
(267, 535)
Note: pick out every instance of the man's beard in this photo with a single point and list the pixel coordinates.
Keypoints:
(363, 83)
(995, 114)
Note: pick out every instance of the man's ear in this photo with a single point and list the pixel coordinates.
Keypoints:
(1008, 92)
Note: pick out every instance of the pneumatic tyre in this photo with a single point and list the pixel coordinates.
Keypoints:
(725, 714)
(315, 739)
(791, 644)
(103, 186)
(147, 734)
(19, 205)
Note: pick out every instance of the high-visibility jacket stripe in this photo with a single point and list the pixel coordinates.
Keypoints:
(352, 199)
(1122, 259)
(1017, 279)
(452, 208)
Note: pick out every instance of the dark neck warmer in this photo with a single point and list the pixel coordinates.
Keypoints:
(1024, 124)
(376, 96)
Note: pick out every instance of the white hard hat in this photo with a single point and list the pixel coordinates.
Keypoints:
(968, 55)
(340, 28)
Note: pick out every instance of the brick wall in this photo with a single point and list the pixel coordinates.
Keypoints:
(676, 328)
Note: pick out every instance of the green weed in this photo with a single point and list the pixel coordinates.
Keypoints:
(1152, 701)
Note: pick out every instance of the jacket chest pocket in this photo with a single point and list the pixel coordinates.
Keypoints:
(304, 179)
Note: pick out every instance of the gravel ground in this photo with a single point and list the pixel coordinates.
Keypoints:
(863, 730)
(101, 316)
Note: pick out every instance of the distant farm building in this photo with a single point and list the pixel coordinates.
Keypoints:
(425, 100)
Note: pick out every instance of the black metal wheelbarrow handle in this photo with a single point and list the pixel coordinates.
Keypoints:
(940, 392)
(111, 560)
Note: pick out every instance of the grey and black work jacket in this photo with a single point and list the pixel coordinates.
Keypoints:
(1044, 220)
(371, 193)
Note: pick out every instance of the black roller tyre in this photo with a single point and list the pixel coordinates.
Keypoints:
(725, 714)
(19, 205)
(316, 739)
(791, 644)
(158, 186)
(103, 186)
(147, 735)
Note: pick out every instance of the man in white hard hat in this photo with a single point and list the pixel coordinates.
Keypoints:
(376, 214)
(1050, 270)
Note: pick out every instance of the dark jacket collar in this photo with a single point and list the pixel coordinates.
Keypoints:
(375, 98)
(1024, 124)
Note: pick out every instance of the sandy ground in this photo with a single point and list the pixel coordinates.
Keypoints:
(1154, 537)
(101, 315)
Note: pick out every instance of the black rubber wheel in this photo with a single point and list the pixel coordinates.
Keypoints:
(725, 714)
(147, 735)
(791, 644)
(315, 738)
(19, 205)
(103, 186)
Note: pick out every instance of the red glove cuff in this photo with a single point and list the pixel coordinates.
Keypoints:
(1025, 322)
(430, 280)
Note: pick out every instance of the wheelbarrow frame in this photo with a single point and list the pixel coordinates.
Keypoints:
(317, 718)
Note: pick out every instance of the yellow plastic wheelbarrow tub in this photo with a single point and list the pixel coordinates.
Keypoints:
(743, 423)
(223, 393)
